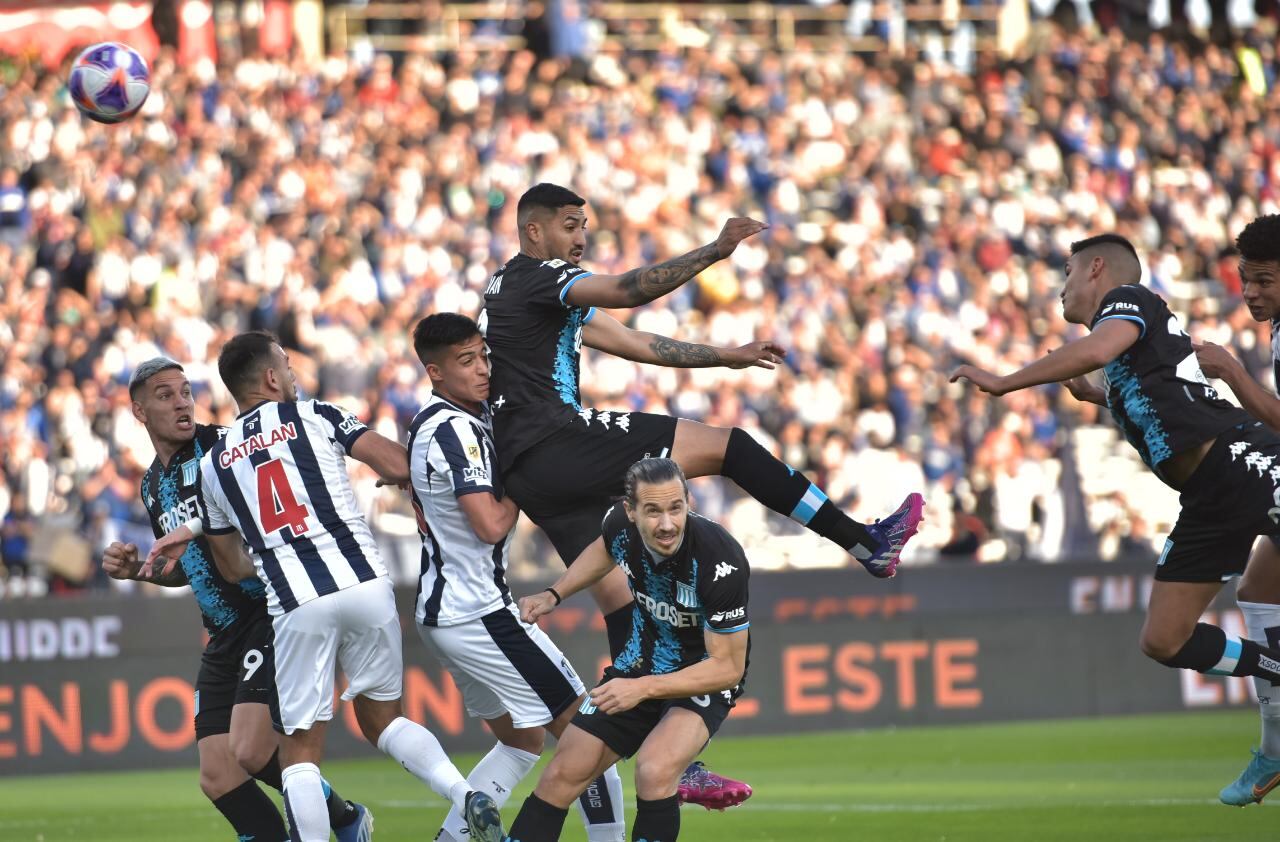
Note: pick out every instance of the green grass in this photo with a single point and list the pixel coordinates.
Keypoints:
(1132, 778)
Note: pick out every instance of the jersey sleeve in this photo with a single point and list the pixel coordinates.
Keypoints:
(212, 502)
(551, 282)
(460, 455)
(614, 522)
(723, 585)
(1130, 303)
(150, 503)
(344, 427)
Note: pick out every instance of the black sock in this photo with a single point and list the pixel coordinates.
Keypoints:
(617, 625)
(1211, 650)
(341, 811)
(270, 773)
(789, 492)
(252, 814)
(537, 821)
(657, 821)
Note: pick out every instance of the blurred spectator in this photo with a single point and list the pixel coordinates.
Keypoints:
(919, 216)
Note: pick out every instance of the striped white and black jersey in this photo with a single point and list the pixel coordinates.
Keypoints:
(451, 454)
(279, 477)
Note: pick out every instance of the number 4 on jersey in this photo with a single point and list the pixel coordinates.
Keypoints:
(277, 507)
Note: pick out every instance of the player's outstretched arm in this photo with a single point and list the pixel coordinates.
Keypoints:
(1109, 340)
(1218, 363)
(387, 457)
(605, 333)
(588, 568)
(640, 286)
(722, 668)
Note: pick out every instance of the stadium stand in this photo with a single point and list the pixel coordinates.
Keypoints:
(921, 201)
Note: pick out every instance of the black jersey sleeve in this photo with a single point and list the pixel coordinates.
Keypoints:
(551, 281)
(1131, 303)
(150, 502)
(722, 583)
(614, 524)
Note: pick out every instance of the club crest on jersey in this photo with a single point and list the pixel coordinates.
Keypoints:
(686, 595)
(189, 469)
(473, 452)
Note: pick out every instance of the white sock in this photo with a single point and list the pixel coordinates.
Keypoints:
(601, 808)
(1258, 617)
(419, 752)
(304, 794)
(497, 773)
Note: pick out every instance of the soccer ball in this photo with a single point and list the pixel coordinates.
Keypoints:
(109, 82)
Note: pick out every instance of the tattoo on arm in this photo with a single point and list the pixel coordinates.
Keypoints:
(175, 579)
(651, 282)
(677, 354)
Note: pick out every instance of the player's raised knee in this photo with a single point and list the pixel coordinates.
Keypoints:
(657, 777)
(1159, 645)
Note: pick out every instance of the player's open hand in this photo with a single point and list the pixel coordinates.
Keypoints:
(755, 355)
(735, 231)
(120, 561)
(167, 550)
(618, 694)
(984, 380)
(1215, 361)
(533, 607)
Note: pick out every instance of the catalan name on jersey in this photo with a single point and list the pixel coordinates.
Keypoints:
(451, 455)
(279, 477)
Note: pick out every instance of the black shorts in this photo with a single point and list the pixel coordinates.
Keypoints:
(625, 732)
(1230, 499)
(237, 667)
(566, 482)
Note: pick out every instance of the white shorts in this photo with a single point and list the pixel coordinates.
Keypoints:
(502, 665)
(358, 629)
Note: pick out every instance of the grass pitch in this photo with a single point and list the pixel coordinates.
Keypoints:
(1132, 778)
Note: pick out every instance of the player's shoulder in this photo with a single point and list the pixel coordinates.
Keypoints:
(614, 522)
(207, 435)
(1129, 301)
(530, 269)
(712, 538)
(435, 412)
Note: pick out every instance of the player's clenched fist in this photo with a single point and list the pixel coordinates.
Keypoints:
(120, 561)
(533, 607)
(735, 231)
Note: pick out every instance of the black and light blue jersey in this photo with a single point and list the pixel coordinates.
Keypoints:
(172, 496)
(1275, 352)
(1156, 391)
(534, 336)
(703, 587)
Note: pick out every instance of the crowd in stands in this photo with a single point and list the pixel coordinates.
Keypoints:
(919, 217)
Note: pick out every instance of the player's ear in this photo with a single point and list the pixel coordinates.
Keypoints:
(631, 513)
(138, 412)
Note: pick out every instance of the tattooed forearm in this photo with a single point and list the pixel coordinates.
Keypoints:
(644, 285)
(176, 579)
(677, 354)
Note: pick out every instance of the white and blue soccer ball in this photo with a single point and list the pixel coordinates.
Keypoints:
(109, 82)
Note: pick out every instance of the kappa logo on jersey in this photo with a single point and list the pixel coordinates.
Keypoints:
(735, 614)
(189, 469)
(256, 442)
(724, 568)
(686, 595)
(603, 418)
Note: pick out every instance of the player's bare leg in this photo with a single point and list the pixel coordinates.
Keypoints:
(601, 804)
(665, 754)
(420, 753)
(580, 758)
(701, 450)
(255, 745)
(245, 806)
(1258, 596)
